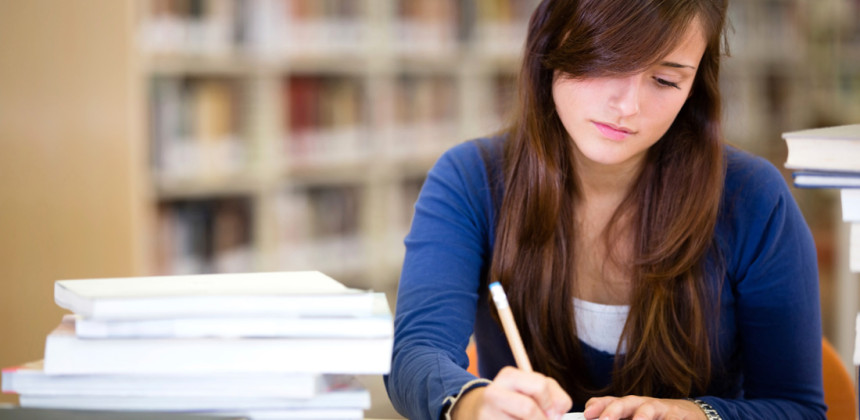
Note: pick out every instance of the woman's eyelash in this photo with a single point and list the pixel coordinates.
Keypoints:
(667, 83)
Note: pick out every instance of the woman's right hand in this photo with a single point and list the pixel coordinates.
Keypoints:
(514, 394)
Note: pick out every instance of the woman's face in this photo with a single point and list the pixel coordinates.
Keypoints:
(614, 120)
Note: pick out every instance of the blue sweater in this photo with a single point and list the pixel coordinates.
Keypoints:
(768, 362)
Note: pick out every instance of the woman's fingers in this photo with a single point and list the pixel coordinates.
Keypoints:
(512, 404)
(641, 408)
(543, 392)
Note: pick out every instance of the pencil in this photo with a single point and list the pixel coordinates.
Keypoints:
(510, 327)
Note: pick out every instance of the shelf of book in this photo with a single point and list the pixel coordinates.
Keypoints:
(324, 141)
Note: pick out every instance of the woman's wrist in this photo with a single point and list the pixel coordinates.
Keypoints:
(463, 407)
(464, 398)
(710, 412)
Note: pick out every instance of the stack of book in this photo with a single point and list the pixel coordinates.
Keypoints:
(830, 158)
(263, 345)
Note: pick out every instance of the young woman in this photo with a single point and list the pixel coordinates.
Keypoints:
(654, 272)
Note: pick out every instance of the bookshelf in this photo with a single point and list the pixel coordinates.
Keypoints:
(288, 134)
(293, 134)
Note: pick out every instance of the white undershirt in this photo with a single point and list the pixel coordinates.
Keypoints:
(600, 325)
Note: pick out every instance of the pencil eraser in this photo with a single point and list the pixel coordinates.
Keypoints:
(498, 294)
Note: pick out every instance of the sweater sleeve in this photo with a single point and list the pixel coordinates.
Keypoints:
(446, 250)
(774, 280)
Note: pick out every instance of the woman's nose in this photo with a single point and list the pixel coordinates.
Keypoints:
(624, 95)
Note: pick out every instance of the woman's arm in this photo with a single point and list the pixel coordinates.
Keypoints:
(446, 253)
(774, 279)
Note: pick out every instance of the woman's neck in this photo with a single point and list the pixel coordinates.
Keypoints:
(602, 273)
(606, 184)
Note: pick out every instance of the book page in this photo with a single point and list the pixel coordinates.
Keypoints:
(276, 283)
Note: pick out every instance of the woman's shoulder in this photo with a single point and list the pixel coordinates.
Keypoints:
(483, 150)
(752, 179)
(477, 162)
(758, 214)
(755, 198)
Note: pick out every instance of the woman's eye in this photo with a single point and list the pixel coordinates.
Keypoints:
(666, 83)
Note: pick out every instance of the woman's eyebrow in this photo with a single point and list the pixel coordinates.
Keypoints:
(677, 65)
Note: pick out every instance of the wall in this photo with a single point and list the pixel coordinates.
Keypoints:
(68, 159)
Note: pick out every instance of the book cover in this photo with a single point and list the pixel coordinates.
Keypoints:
(296, 293)
(814, 179)
(306, 414)
(379, 324)
(850, 199)
(345, 395)
(65, 353)
(21, 413)
(824, 149)
(839, 132)
(854, 248)
(31, 379)
(857, 352)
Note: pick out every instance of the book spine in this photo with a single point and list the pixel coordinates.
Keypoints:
(199, 236)
(69, 355)
(857, 356)
(854, 248)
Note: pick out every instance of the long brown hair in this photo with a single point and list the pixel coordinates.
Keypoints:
(673, 202)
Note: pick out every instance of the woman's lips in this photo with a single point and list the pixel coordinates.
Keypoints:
(613, 132)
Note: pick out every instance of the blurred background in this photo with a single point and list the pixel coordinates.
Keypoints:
(148, 137)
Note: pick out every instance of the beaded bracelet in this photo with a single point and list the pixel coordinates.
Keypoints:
(710, 413)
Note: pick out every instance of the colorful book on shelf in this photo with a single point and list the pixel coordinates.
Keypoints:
(347, 394)
(824, 149)
(31, 379)
(850, 199)
(824, 179)
(65, 353)
(296, 293)
(379, 324)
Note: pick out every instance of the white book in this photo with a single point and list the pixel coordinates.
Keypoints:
(296, 293)
(9, 412)
(31, 379)
(850, 198)
(349, 396)
(819, 179)
(854, 248)
(379, 324)
(825, 149)
(304, 414)
(857, 341)
(65, 353)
